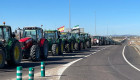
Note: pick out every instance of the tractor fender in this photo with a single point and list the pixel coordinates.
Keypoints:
(42, 42)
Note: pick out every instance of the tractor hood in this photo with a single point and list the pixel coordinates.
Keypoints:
(24, 39)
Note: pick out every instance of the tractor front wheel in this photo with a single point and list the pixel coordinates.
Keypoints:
(35, 53)
(2, 58)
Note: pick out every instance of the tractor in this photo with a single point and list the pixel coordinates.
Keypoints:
(10, 49)
(34, 45)
(68, 41)
(54, 41)
(79, 39)
(87, 40)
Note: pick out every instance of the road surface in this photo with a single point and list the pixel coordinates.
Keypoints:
(114, 63)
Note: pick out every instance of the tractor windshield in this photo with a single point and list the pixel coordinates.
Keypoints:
(30, 33)
(50, 35)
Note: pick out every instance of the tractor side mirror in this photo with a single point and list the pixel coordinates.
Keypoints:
(13, 35)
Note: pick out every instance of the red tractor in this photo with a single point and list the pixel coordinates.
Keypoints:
(34, 45)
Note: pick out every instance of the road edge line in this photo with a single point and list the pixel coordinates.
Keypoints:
(128, 61)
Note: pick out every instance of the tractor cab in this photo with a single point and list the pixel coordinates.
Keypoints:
(65, 35)
(52, 35)
(35, 33)
(5, 33)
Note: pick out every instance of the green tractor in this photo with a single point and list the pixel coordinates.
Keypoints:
(87, 40)
(55, 43)
(10, 49)
(78, 41)
(68, 41)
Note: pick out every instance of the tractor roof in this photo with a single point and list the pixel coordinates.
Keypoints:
(50, 30)
(5, 26)
(30, 28)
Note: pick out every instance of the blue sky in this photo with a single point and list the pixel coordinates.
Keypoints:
(121, 16)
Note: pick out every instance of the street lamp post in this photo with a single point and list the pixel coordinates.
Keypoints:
(69, 16)
(95, 22)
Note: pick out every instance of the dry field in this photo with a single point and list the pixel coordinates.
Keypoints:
(118, 39)
(135, 40)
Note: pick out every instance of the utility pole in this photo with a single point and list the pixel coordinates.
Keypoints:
(95, 22)
(69, 16)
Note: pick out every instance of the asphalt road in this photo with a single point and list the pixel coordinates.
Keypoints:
(9, 72)
(108, 64)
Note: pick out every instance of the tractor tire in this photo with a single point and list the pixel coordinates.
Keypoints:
(67, 48)
(71, 47)
(44, 50)
(84, 46)
(55, 49)
(76, 46)
(16, 55)
(2, 58)
(35, 53)
(61, 49)
(88, 44)
(81, 45)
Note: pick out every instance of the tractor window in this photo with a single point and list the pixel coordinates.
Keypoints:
(1, 33)
(50, 35)
(39, 34)
(29, 33)
(6, 33)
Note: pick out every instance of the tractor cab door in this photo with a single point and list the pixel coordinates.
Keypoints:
(39, 34)
(7, 34)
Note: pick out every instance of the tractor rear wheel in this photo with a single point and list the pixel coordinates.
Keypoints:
(61, 49)
(16, 55)
(81, 45)
(84, 46)
(76, 46)
(55, 49)
(71, 47)
(45, 50)
(67, 48)
(2, 58)
(35, 53)
(88, 44)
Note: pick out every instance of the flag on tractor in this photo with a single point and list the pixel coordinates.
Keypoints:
(76, 27)
(61, 29)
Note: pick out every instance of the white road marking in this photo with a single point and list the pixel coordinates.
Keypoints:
(128, 61)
